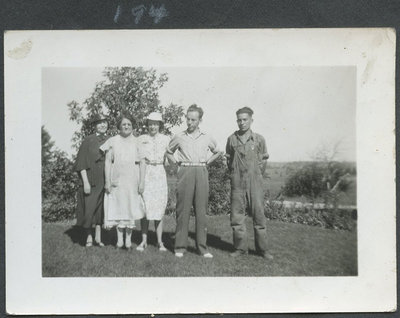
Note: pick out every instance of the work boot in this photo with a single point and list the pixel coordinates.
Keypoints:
(267, 256)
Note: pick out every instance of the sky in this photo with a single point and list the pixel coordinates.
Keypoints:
(296, 109)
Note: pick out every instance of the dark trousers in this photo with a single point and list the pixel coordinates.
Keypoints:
(192, 190)
(250, 198)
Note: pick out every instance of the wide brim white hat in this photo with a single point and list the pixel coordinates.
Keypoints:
(155, 116)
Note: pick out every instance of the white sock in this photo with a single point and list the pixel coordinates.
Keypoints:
(98, 234)
(120, 234)
(128, 235)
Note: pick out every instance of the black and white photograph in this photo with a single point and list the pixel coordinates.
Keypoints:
(242, 162)
(228, 171)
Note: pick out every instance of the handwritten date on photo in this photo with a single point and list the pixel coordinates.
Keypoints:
(138, 12)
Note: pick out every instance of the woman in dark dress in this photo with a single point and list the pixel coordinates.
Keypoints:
(90, 167)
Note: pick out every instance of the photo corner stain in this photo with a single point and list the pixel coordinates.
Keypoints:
(20, 51)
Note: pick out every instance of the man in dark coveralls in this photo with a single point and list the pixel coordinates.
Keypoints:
(89, 165)
(247, 156)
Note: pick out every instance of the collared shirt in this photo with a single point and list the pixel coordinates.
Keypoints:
(246, 156)
(192, 148)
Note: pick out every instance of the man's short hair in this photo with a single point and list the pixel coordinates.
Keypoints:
(245, 110)
(195, 108)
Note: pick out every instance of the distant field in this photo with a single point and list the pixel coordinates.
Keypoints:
(278, 172)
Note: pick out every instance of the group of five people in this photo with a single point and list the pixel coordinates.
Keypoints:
(123, 180)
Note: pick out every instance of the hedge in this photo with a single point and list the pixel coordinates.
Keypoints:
(59, 186)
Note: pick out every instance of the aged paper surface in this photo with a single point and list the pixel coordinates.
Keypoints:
(371, 51)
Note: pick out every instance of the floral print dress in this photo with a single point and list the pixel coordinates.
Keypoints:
(155, 193)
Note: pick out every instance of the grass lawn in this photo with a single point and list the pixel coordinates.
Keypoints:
(298, 250)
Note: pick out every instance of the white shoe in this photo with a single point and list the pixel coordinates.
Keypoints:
(141, 247)
(208, 255)
(178, 254)
(161, 247)
(120, 245)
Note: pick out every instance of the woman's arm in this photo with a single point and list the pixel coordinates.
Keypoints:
(86, 184)
(142, 174)
(107, 171)
(165, 159)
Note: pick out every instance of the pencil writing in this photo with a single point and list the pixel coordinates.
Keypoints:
(156, 13)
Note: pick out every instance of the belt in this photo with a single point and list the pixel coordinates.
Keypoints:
(193, 164)
(153, 163)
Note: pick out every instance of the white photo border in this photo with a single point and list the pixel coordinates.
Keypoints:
(372, 51)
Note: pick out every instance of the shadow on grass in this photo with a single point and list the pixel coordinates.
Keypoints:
(77, 235)
(167, 237)
(215, 242)
(109, 237)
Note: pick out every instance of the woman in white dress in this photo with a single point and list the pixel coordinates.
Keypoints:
(124, 182)
(153, 147)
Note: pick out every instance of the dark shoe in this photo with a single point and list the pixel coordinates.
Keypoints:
(238, 253)
(267, 256)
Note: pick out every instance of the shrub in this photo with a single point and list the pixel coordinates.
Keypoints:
(220, 191)
(171, 204)
(60, 182)
(307, 180)
(59, 186)
(327, 218)
(319, 179)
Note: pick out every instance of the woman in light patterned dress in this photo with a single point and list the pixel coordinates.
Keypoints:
(124, 182)
(153, 147)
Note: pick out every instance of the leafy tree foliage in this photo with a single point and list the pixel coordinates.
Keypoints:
(47, 145)
(219, 182)
(59, 182)
(307, 181)
(125, 90)
(315, 179)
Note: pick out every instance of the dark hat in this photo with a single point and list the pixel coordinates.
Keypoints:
(245, 110)
(97, 117)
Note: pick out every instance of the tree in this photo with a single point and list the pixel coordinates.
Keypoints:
(59, 182)
(335, 174)
(125, 90)
(47, 145)
(59, 186)
(324, 177)
(307, 180)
